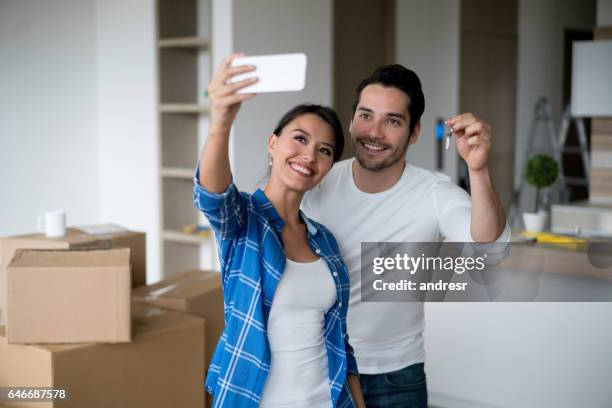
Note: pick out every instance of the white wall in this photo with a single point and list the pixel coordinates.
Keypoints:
(48, 139)
(540, 69)
(591, 81)
(128, 182)
(270, 27)
(78, 114)
(528, 355)
(427, 41)
(48, 155)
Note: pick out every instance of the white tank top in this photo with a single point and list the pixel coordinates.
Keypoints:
(296, 332)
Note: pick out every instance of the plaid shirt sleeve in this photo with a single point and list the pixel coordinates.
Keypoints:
(225, 211)
(351, 363)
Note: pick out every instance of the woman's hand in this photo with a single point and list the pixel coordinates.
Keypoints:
(355, 387)
(224, 99)
(215, 173)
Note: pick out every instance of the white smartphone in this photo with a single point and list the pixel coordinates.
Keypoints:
(276, 73)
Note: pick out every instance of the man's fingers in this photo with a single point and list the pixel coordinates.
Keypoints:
(478, 141)
(460, 122)
(477, 128)
(461, 117)
(474, 129)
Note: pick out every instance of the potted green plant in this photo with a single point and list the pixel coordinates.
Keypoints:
(541, 172)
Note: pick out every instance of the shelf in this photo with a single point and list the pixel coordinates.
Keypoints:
(183, 108)
(178, 172)
(179, 141)
(182, 238)
(177, 204)
(183, 47)
(183, 42)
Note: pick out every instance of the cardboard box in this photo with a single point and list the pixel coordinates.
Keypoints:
(120, 237)
(99, 236)
(69, 296)
(137, 243)
(102, 236)
(74, 238)
(163, 367)
(196, 292)
(589, 219)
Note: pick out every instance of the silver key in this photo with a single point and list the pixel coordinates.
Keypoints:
(449, 134)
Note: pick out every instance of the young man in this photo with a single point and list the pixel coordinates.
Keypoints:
(379, 197)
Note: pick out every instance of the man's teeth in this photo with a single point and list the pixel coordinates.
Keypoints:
(305, 171)
(373, 147)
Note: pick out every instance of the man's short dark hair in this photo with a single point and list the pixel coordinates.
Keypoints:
(402, 78)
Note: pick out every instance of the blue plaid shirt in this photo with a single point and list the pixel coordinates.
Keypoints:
(248, 230)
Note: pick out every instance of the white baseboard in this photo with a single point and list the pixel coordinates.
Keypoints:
(441, 400)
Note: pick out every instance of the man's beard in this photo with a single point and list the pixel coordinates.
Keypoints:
(396, 155)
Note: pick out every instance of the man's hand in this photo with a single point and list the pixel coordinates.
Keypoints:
(474, 146)
(473, 140)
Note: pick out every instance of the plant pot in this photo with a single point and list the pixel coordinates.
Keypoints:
(535, 222)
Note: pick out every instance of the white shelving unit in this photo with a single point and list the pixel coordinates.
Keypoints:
(183, 58)
(183, 108)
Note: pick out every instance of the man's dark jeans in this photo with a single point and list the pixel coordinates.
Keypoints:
(405, 388)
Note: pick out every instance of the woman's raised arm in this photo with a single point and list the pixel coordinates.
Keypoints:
(215, 173)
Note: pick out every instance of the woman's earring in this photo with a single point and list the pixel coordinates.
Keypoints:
(270, 162)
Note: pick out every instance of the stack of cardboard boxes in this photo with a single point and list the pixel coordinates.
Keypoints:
(73, 323)
(600, 186)
(600, 180)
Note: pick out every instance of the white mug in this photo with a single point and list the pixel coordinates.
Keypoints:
(52, 223)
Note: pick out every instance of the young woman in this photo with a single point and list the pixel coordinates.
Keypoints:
(285, 286)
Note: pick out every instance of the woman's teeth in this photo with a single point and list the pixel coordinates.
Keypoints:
(301, 169)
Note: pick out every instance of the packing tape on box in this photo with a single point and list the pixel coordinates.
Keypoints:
(157, 293)
(156, 311)
(142, 319)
